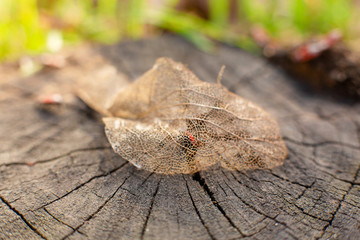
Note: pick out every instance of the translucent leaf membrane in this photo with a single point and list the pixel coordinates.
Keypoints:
(99, 87)
(168, 121)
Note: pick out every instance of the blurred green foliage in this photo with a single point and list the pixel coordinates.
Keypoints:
(27, 26)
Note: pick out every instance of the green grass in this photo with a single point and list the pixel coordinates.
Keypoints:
(26, 25)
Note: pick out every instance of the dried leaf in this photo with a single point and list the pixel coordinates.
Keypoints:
(168, 121)
(98, 88)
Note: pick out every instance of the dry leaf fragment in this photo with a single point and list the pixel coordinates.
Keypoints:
(100, 87)
(168, 121)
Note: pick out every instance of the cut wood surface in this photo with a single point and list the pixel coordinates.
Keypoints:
(60, 179)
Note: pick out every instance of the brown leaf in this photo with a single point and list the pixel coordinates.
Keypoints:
(99, 88)
(168, 121)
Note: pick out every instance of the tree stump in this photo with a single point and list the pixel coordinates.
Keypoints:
(60, 179)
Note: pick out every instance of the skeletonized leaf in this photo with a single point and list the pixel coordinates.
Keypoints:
(168, 121)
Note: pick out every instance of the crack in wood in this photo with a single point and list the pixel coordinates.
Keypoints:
(197, 211)
(58, 220)
(241, 183)
(197, 177)
(125, 189)
(83, 184)
(96, 212)
(143, 182)
(297, 198)
(260, 229)
(275, 183)
(260, 212)
(55, 158)
(340, 204)
(35, 136)
(22, 217)
(305, 189)
(353, 205)
(292, 203)
(40, 140)
(290, 181)
(150, 210)
(222, 189)
(320, 167)
(306, 213)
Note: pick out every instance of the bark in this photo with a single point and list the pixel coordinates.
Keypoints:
(60, 179)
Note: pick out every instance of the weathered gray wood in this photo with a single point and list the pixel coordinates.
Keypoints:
(59, 178)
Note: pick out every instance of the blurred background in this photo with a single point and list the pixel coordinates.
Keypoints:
(29, 27)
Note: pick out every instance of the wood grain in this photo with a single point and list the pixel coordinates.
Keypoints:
(60, 179)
